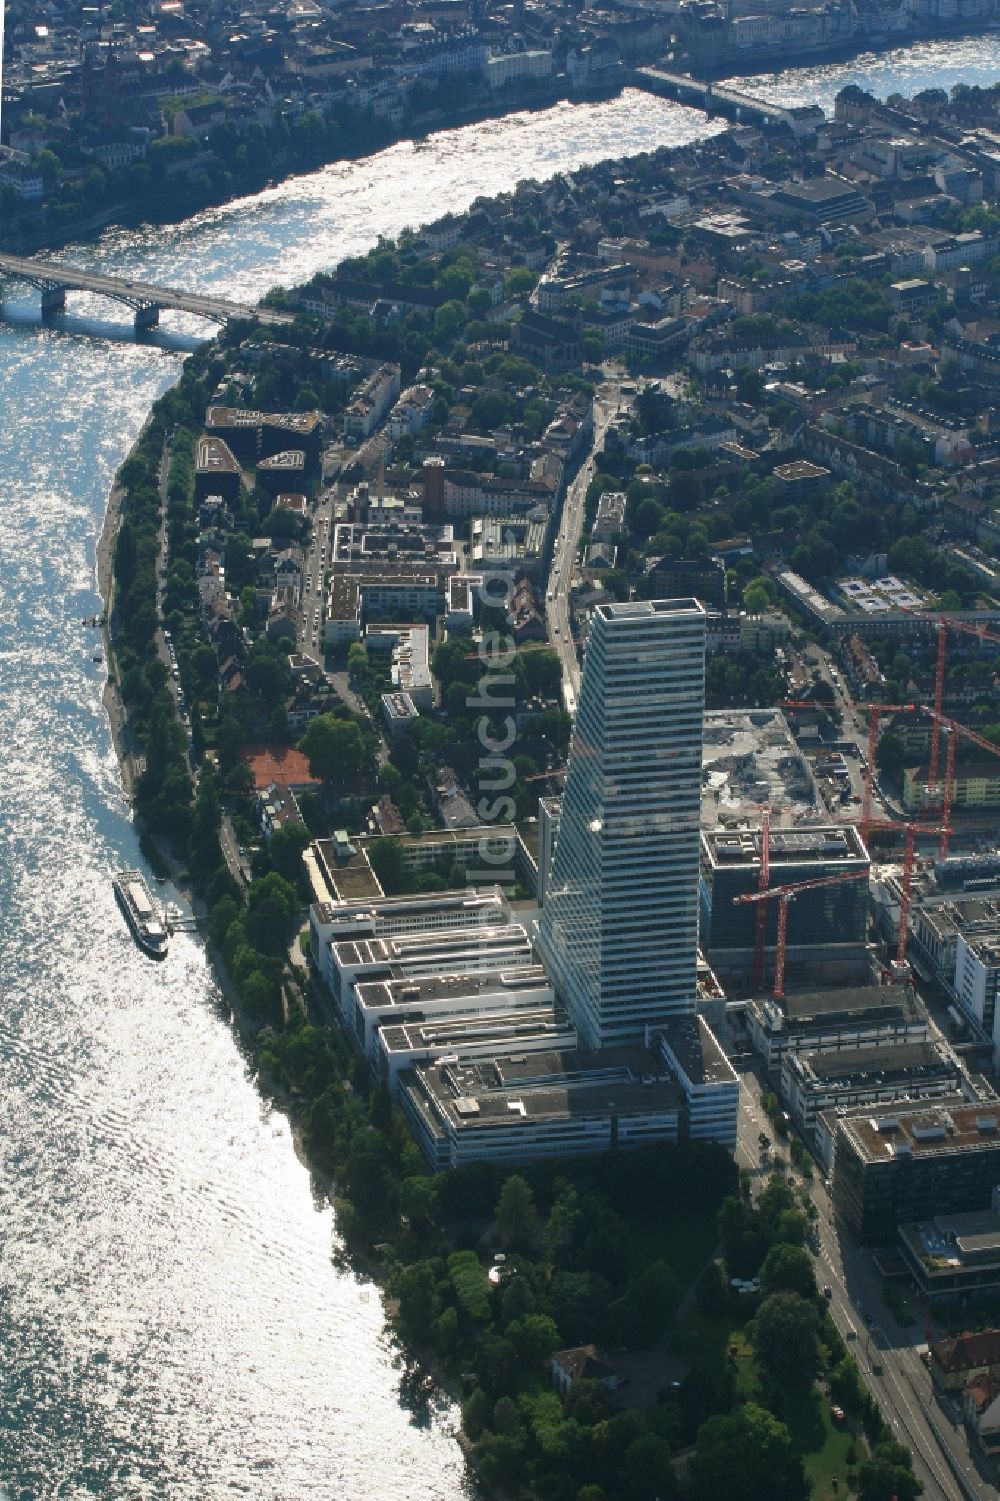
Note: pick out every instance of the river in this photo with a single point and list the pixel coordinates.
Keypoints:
(172, 1322)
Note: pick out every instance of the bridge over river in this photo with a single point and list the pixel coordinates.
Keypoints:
(54, 280)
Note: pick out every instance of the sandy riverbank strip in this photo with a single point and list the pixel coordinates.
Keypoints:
(113, 705)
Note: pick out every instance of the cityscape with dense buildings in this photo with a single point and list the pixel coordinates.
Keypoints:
(553, 656)
(158, 109)
(581, 607)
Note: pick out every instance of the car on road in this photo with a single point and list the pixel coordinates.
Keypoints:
(828, 1291)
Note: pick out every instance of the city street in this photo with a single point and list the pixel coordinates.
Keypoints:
(557, 606)
(888, 1355)
(317, 562)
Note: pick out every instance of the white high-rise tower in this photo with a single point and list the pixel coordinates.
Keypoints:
(619, 928)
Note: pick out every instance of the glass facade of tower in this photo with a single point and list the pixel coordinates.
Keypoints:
(619, 928)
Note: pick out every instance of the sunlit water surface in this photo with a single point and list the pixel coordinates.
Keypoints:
(172, 1324)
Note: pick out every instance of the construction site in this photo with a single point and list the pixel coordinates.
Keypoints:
(751, 761)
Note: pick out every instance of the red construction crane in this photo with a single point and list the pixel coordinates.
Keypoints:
(955, 729)
(763, 878)
(944, 625)
(875, 710)
(785, 895)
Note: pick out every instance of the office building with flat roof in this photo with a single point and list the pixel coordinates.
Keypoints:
(619, 929)
(411, 955)
(826, 1080)
(494, 993)
(706, 1078)
(895, 1164)
(847, 1016)
(954, 1255)
(531, 1105)
(827, 927)
(373, 915)
(525, 1029)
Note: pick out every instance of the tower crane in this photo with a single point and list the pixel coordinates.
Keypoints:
(946, 623)
(785, 895)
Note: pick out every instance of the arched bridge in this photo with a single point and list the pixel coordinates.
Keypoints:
(148, 301)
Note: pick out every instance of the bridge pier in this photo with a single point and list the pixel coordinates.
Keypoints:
(53, 301)
(146, 317)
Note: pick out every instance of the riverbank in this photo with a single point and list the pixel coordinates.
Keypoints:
(111, 697)
(161, 210)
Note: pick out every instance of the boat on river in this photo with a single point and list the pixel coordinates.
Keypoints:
(148, 927)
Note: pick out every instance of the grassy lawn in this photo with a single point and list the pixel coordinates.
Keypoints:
(821, 1442)
(705, 1342)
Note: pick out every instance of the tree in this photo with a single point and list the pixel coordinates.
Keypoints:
(500, 1458)
(786, 1338)
(533, 1336)
(756, 599)
(203, 841)
(335, 747)
(386, 859)
(416, 1290)
(286, 848)
(518, 281)
(515, 1214)
(746, 1455)
(418, 1199)
(648, 517)
(888, 1475)
(271, 907)
(477, 1412)
(49, 167)
(656, 1296)
(788, 1269)
(517, 1300)
(648, 1472)
(891, 755)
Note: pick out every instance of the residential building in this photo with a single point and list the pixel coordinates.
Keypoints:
(507, 67)
(371, 403)
(702, 576)
(410, 649)
(762, 633)
(609, 523)
(619, 929)
(976, 784)
(399, 711)
(961, 1358)
(584, 1363)
(216, 470)
(343, 612)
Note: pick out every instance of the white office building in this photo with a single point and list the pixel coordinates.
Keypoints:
(619, 929)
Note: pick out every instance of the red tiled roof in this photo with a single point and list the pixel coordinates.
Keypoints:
(963, 1352)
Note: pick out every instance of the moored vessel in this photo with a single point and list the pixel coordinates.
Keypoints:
(148, 927)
